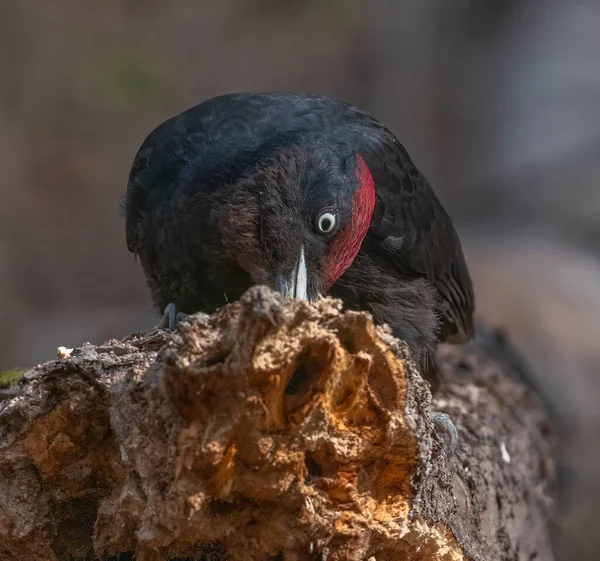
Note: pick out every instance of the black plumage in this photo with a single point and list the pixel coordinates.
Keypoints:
(226, 194)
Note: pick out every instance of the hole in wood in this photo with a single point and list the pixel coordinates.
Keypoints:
(313, 468)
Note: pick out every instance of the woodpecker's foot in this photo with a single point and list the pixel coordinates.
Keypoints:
(446, 429)
(171, 317)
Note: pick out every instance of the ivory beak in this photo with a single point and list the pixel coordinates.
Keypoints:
(295, 283)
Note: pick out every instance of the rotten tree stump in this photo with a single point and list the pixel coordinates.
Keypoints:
(272, 430)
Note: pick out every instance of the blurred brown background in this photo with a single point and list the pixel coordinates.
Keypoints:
(498, 102)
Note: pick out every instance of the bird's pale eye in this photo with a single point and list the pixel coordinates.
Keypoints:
(326, 222)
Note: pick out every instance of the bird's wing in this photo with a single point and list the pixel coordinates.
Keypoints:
(413, 230)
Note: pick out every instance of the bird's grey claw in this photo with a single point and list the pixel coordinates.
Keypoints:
(446, 429)
(171, 317)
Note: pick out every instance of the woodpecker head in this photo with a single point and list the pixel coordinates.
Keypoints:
(296, 219)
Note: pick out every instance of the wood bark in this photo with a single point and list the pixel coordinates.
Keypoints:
(273, 430)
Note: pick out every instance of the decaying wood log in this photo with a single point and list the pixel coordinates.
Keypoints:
(272, 430)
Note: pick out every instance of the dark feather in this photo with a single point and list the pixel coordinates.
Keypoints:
(189, 158)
